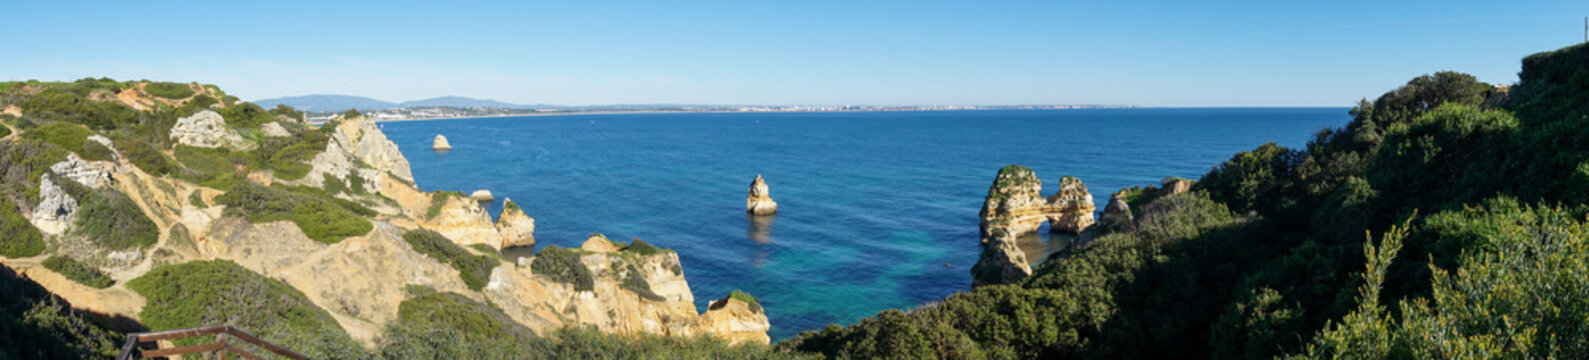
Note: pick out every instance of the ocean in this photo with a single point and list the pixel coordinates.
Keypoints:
(877, 210)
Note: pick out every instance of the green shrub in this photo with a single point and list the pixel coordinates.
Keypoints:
(197, 199)
(24, 162)
(288, 111)
(642, 248)
(219, 291)
(488, 250)
(68, 136)
(292, 163)
(146, 156)
(63, 104)
(5, 131)
(755, 305)
(322, 220)
(22, 239)
(110, 219)
(634, 281)
(95, 151)
(562, 265)
(246, 115)
(439, 199)
(453, 310)
(35, 324)
(169, 90)
(78, 271)
(474, 269)
(351, 113)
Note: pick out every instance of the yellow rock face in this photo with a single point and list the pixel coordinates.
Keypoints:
(759, 201)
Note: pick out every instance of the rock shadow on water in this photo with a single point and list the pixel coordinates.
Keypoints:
(759, 229)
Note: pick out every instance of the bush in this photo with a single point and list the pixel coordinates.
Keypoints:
(453, 310)
(61, 104)
(95, 151)
(322, 220)
(169, 90)
(439, 199)
(219, 291)
(35, 324)
(755, 305)
(642, 248)
(22, 239)
(22, 163)
(562, 265)
(110, 219)
(68, 136)
(246, 115)
(474, 269)
(146, 156)
(288, 111)
(79, 272)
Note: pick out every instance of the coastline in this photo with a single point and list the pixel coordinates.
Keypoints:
(642, 112)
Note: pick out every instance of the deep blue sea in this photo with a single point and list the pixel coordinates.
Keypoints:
(877, 210)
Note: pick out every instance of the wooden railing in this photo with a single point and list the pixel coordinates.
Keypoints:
(130, 350)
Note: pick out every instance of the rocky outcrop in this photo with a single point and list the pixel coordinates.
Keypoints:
(516, 227)
(1071, 208)
(464, 222)
(598, 243)
(440, 143)
(205, 129)
(1015, 206)
(736, 321)
(482, 195)
(759, 201)
(82, 172)
(1174, 185)
(1117, 215)
(365, 142)
(273, 129)
(56, 209)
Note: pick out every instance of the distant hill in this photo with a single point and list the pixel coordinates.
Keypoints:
(457, 101)
(327, 103)
(344, 102)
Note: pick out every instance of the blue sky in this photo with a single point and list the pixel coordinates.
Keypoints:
(1214, 53)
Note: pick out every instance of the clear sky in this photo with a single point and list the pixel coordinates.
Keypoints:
(1174, 53)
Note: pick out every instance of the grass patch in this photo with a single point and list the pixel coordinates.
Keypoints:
(755, 305)
(642, 248)
(474, 269)
(69, 136)
(197, 199)
(78, 271)
(169, 90)
(438, 199)
(23, 163)
(146, 156)
(633, 281)
(95, 151)
(321, 219)
(219, 291)
(455, 311)
(562, 265)
(488, 250)
(22, 239)
(111, 219)
(246, 115)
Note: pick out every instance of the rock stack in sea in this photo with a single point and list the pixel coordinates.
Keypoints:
(482, 195)
(1015, 206)
(759, 202)
(440, 143)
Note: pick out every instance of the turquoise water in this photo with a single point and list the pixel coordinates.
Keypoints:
(877, 210)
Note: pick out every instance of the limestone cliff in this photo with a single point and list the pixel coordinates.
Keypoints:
(359, 280)
(759, 201)
(516, 227)
(1117, 215)
(1015, 206)
(463, 221)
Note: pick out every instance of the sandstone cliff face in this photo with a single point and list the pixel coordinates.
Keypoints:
(1174, 185)
(440, 143)
(759, 201)
(464, 222)
(205, 129)
(1014, 207)
(735, 321)
(361, 280)
(516, 227)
